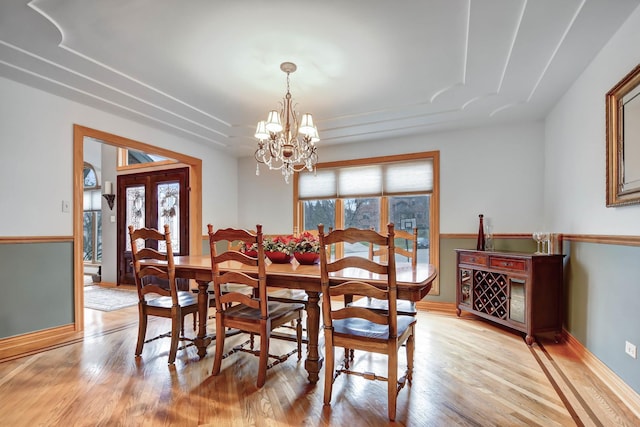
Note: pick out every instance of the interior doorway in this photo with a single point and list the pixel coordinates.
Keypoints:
(193, 166)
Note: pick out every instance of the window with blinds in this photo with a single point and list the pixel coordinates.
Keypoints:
(370, 193)
(397, 178)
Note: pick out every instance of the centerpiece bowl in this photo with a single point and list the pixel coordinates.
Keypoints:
(307, 258)
(278, 257)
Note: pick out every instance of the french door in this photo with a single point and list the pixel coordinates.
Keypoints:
(152, 199)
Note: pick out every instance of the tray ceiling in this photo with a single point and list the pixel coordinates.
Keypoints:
(367, 70)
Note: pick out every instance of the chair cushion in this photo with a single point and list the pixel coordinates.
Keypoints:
(276, 310)
(404, 307)
(364, 328)
(185, 299)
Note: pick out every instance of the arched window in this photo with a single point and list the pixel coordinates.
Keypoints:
(89, 176)
(92, 216)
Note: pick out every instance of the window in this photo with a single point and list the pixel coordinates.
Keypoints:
(134, 159)
(92, 217)
(370, 193)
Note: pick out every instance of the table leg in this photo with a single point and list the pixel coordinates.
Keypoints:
(202, 341)
(313, 364)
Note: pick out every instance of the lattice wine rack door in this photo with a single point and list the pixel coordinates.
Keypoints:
(490, 293)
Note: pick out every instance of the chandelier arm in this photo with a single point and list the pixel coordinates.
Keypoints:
(299, 168)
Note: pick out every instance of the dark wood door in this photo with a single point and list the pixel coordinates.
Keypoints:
(152, 199)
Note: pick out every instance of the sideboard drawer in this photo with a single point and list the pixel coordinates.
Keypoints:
(474, 258)
(508, 263)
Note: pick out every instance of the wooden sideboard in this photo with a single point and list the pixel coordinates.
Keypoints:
(517, 290)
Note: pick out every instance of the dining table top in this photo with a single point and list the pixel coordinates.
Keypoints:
(412, 283)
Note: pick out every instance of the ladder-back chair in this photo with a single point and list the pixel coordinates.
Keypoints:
(363, 328)
(253, 314)
(409, 249)
(155, 299)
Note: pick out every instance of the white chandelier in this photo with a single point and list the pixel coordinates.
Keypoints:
(289, 147)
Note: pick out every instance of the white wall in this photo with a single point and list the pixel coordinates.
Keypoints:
(575, 191)
(109, 157)
(601, 280)
(265, 199)
(496, 171)
(36, 161)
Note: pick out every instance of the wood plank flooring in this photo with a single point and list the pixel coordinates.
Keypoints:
(467, 373)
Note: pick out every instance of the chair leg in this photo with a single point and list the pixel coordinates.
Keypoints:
(142, 328)
(328, 368)
(410, 350)
(220, 335)
(348, 357)
(392, 383)
(177, 324)
(264, 359)
(299, 336)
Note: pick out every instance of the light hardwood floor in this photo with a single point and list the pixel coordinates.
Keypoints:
(467, 373)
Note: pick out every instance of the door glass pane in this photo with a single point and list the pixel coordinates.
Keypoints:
(516, 301)
(135, 211)
(169, 213)
(361, 213)
(466, 279)
(407, 212)
(98, 236)
(87, 236)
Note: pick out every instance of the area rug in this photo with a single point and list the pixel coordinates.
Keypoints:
(108, 299)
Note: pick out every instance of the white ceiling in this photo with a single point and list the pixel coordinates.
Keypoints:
(208, 70)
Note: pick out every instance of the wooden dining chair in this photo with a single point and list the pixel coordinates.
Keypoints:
(235, 246)
(362, 328)
(253, 314)
(295, 296)
(409, 249)
(157, 289)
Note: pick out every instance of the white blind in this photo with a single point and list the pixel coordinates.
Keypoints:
(408, 177)
(321, 185)
(414, 176)
(359, 181)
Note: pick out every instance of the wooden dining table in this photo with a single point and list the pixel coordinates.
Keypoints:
(413, 284)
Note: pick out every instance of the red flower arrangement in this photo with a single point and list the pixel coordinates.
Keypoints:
(307, 242)
(280, 249)
(307, 248)
(285, 244)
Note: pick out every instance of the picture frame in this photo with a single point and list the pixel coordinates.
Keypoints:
(623, 141)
